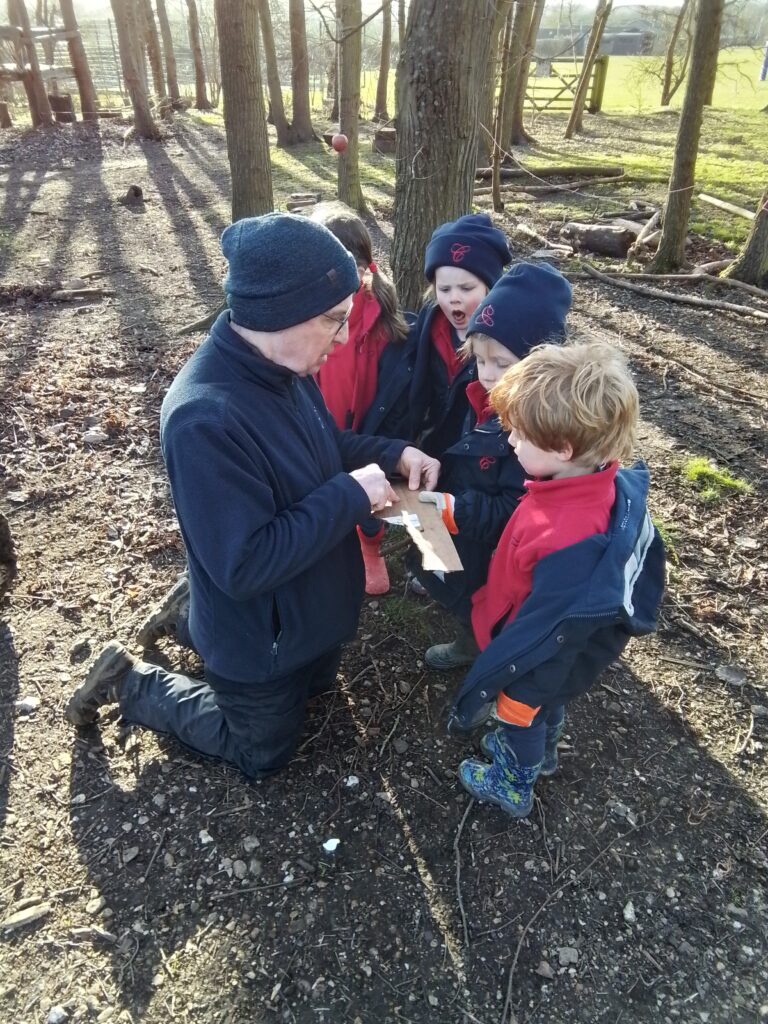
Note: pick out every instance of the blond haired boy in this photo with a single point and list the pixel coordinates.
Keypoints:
(578, 569)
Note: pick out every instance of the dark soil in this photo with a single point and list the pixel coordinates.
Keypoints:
(167, 888)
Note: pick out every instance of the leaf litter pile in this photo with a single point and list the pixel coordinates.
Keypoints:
(138, 882)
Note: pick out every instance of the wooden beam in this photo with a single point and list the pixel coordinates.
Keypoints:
(721, 204)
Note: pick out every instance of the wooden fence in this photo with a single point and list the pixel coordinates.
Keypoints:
(552, 85)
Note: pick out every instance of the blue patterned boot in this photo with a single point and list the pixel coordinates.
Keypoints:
(505, 783)
(489, 745)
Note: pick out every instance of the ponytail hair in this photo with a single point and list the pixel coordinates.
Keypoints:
(350, 230)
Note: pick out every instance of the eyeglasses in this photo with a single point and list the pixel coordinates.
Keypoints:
(340, 324)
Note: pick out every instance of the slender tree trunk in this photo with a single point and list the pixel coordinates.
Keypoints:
(201, 95)
(669, 60)
(129, 43)
(497, 153)
(518, 136)
(170, 54)
(706, 40)
(37, 97)
(400, 23)
(382, 86)
(350, 191)
(439, 81)
(576, 119)
(488, 97)
(301, 121)
(88, 100)
(153, 50)
(521, 15)
(751, 265)
(245, 119)
(273, 75)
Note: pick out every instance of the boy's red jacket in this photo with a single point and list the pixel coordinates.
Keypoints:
(553, 514)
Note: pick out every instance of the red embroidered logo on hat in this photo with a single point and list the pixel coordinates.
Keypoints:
(485, 316)
(487, 461)
(459, 251)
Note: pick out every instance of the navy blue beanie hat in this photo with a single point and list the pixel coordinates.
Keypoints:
(471, 243)
(526, 307)
(284, 270)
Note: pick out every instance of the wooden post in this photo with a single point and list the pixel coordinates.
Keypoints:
(597, 90)
(80, 66)
(39, 107)
(63, 108)
(5, 116)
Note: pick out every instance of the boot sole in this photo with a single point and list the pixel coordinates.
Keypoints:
(169, 609)
(75, 711)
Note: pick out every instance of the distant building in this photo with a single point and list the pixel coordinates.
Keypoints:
(637, 39)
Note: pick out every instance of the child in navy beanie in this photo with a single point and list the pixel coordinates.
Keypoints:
(481, 480)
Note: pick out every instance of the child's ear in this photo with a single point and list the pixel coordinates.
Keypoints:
(566, 453)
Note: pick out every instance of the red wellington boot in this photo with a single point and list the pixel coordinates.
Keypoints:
(376, 575)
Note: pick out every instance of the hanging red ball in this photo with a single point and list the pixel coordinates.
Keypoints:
(339, 142)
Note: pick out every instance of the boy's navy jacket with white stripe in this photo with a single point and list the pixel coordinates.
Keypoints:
(587, 600)
(259, 474)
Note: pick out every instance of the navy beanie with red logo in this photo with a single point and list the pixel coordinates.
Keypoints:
(471, 243)
(284, 270)
(526, 307)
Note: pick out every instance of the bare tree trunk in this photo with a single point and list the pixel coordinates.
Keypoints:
(488, 98)
(751, 265)
(382, 86)
(706, 40)
(521, 20)
(245, 118)
(518, 136)
(350, 191)
(497, 152)
(576, 119)
(669, 60)
(88, 100)
(129, 42)
(400, 23)
(37, 97)
(301, 121)
(201, 95)
(170, 54)
(439, 81)
(153, 50)
(273, 75)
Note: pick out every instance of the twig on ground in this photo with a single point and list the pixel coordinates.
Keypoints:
(388, 737)
(320, 731)
(740, 747)
(688, 300)
(457, 852)
(152, 859)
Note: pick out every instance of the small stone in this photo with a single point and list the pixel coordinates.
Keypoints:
(433, 1000)
(400, 745)
(731, 674)
(28, 704)
(26, 916)
(255, 867)
(57, 1015)
(168, 859)
(205, 837)
(95, 906)
(629, 912)
(130, 854)
(250, 843)
(351, 781)
(545, 970)
(95, 437)
(158, 980)
(759, 711)
(159, 799)
(567, 955)
(240, 869)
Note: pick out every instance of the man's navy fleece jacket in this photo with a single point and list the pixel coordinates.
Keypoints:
(259, 477)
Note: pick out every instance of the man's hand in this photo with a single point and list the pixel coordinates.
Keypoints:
(420, 469)
(376, 486)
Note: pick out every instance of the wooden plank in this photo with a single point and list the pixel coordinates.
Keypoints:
(438, 553)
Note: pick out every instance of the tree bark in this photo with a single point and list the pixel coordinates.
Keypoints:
(88, 100)
(382, 86)
(301, 121)
(129, 43)
(497, 149)
(439, 81)
(669, 60)
(400, 24)
(153, 50)
(349, 189)
(245, 118)
(518, 136)
(201, 95)
(488, 98)
(751, 265)
(674, 225)
(37, 96)
(521, 15)
(170, 54)
(274, 88)
(576, 119)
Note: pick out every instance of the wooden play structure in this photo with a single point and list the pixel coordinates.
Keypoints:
(26, 68)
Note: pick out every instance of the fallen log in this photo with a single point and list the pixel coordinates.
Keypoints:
(688, 300)
(721, 204)
(568, 186)
(574, 170)
(70, 294)
(642, 239)
(605, 239)
(697, 278)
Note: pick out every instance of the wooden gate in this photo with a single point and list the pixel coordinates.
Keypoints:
(552, 85)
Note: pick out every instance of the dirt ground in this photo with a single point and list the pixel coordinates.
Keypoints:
(160, 887)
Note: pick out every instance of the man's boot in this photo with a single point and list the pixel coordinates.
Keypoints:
(166, 617)
(376, 575)
(461, 652)
(102, 684)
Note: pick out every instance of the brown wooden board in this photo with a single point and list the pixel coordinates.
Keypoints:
(438, 552)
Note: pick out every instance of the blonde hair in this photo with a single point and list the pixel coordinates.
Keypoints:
(344, 223)
(579, 394)
(466, 351)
